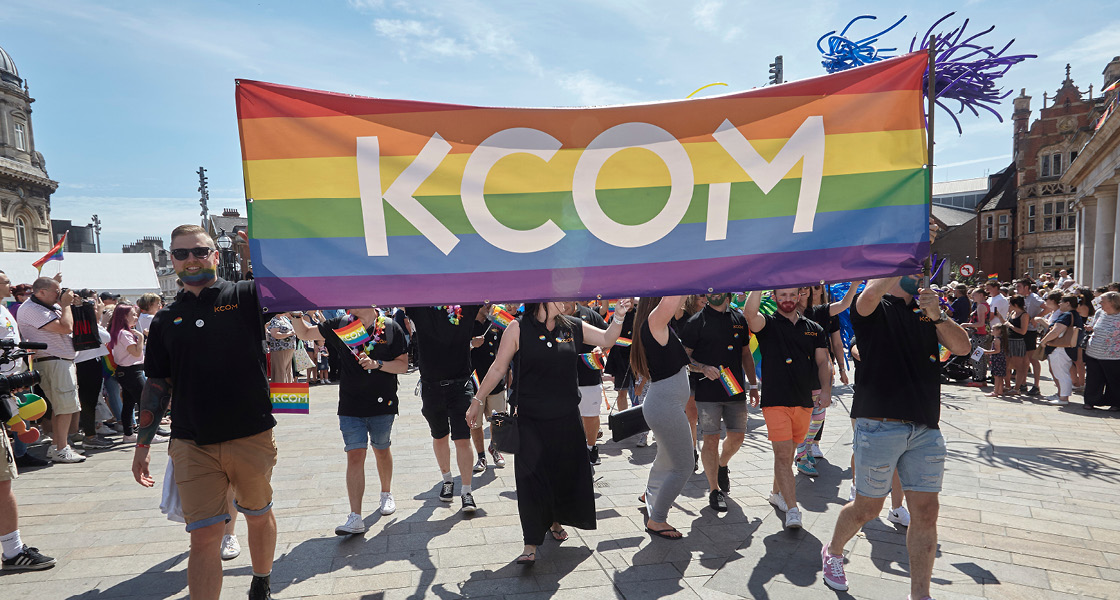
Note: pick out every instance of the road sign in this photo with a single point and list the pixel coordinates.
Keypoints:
(967, 270)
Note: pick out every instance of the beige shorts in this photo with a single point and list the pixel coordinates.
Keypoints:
(204, 473)
(60, 384)
(494, 403)
(8, 469)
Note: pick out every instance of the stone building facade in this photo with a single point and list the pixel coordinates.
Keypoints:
(25, 188)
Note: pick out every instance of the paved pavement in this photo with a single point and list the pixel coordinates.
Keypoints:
(1031, 509)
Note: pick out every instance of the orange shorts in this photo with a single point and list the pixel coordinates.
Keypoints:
(204, 473)
(785, 423)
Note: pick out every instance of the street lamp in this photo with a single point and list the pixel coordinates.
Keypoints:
(224, 244)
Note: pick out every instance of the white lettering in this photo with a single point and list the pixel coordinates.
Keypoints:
(516, 140)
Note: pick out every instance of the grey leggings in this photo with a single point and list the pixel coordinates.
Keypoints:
(664, 413)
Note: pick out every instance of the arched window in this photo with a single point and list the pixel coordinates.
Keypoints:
(21, 234)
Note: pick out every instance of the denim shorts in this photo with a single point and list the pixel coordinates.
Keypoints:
(733, 414)
(917, 451)
(359, 432)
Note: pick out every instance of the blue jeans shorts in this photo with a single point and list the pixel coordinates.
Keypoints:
(732, 414)
(917, 451)
(359, 432)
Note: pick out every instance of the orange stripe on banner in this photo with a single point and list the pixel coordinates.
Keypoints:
(406, 134)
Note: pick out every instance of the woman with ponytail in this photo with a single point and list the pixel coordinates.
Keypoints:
(658, 356)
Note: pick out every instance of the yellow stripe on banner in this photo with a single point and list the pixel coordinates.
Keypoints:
(845, 154)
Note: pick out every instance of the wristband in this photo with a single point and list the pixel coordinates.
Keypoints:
(143, 445)
(754, 386)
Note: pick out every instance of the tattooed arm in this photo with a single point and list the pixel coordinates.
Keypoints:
(153, 405)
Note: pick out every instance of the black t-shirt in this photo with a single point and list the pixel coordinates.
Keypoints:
(444, 346)
(717, 339)
(483, 356)
(789, 360)
(899, 371)
(618, 362)
(363, 393)
(211, 346)
(962, 309)
(546, 361)
(587, 375)
(1016, 322)
(400, 319)
(665, 361)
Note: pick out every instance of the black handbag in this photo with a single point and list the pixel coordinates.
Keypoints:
(626, 423)
(86, 336)
(504, 433)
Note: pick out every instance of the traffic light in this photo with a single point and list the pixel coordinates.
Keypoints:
(776, 70)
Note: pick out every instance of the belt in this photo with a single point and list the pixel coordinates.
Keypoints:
(887, 420)
(446, 382)
(46, 358)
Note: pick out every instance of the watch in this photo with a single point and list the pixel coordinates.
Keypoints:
(380, 364)
(944, 317)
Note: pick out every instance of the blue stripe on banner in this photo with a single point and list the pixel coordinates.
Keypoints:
(415, 255)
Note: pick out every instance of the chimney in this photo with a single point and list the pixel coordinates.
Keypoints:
(1112, 71)
(230, 212)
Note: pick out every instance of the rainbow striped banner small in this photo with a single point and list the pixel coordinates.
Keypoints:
(55, 253)
(730, 384)
(355, 200)
(624, 342)
(108, 366)
(290, 398)
(475, 381)
(611, 304)
(500, 317)
(593, 360)
(353, 335)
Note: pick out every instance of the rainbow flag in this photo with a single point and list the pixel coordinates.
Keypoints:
(293, 398)
(54, 254)
(624, 342)
(993, 276)
(353, 335)
(945, 355)
(593, 361)
(475, 381)
(611, 304)
(108, 366)
(356, 200)
(756, 354)
(499, 316)
(730, 384)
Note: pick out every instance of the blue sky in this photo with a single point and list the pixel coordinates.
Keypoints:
(132, 97)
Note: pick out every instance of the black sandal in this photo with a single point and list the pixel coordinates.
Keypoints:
(559, 534)
(664, 533)
(527, 560)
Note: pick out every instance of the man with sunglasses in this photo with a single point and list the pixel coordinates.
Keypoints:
(207, 349)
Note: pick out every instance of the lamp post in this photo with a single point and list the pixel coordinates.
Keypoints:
(224, 244)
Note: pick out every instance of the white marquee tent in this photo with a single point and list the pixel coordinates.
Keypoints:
(127, 274)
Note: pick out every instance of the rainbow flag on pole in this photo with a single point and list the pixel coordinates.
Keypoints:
(730, 384)
(353, 335)
(624, 342)
(293, 398)
(593, 361)
(355, 200)
(500, 317)
(54, 254)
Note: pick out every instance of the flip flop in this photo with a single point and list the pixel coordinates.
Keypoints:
(525, 559)
(559, 534)
(664, 533)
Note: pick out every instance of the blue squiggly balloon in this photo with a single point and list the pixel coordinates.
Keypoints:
(844, 54)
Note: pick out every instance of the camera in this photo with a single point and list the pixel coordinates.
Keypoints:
(17, 381)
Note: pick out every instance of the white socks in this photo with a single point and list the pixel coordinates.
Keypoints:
(448, 477)
(466, 490)
(13, 545)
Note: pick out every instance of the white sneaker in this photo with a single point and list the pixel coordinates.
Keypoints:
(388, 505)
(129, 439)
(103, 430)
(643, 440)
(899, 515)
(67, 455)
(230, 548)
(159, 439)
(353, 524)
(852, 494)
(815, 451)
(793, 518)
(1056, 401)
(778, 501)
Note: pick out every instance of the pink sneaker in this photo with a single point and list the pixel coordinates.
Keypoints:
(833, 568)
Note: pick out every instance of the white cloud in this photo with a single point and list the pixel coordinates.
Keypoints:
(1095, 48)
(592, 90)
(706, 16)
(428, 38)
(366, 5)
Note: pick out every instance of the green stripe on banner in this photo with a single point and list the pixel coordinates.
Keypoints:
(342, 217)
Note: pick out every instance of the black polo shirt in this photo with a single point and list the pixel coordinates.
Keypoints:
(444, 351)
(585, 374)
(789, 360)
(717, 338)
(899, 375)
(363, 393)
(211, 346)
(483, 356)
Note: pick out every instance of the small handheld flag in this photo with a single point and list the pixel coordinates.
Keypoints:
(622, 342)
(592, 360)
(945, 354)
(730, 384)
(475, 381)
(993, 277)
(54, 254)
(353, 335)
(499, 316)
(108, 366)
(611, 304)
(290, 398)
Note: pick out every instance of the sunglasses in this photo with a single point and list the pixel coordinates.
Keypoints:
(197, 252)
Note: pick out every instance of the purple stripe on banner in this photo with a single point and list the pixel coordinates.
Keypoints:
(293, 411)
(752, 272)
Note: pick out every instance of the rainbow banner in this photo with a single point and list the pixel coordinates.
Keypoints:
(292, 398)
(356, 200)
(108, 366)
(730, 384)
(593, 361)
(500, 317)
(55, 253)
(624, 342)
(353, 335)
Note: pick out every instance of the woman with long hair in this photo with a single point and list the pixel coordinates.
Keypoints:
(692, 304)
(126, 342)
(1017, 324)
(551, 472)
(659, 357)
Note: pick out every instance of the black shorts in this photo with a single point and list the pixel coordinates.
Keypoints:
(444, 405)
(1031, 339)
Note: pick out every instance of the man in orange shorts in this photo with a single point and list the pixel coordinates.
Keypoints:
(795, 378)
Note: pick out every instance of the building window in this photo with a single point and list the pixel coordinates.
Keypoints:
(1048, 224)
(1030, 265)
(1048, 208)
(1003, 232)
(21, 136)
(989, 220)
(21, 234)
(1030, 226)
(1030, 210)
(1057, 164)
(1072, 156)
(1071, 222)
(988, 232)
(1058, 222)
(1046, 166)
(1060, 207)
(1003, 219)
(1058, 262)
(1045, 263)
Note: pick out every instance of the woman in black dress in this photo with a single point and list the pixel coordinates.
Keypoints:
(551, 469)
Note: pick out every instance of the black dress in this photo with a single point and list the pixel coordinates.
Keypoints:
(551, 469)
